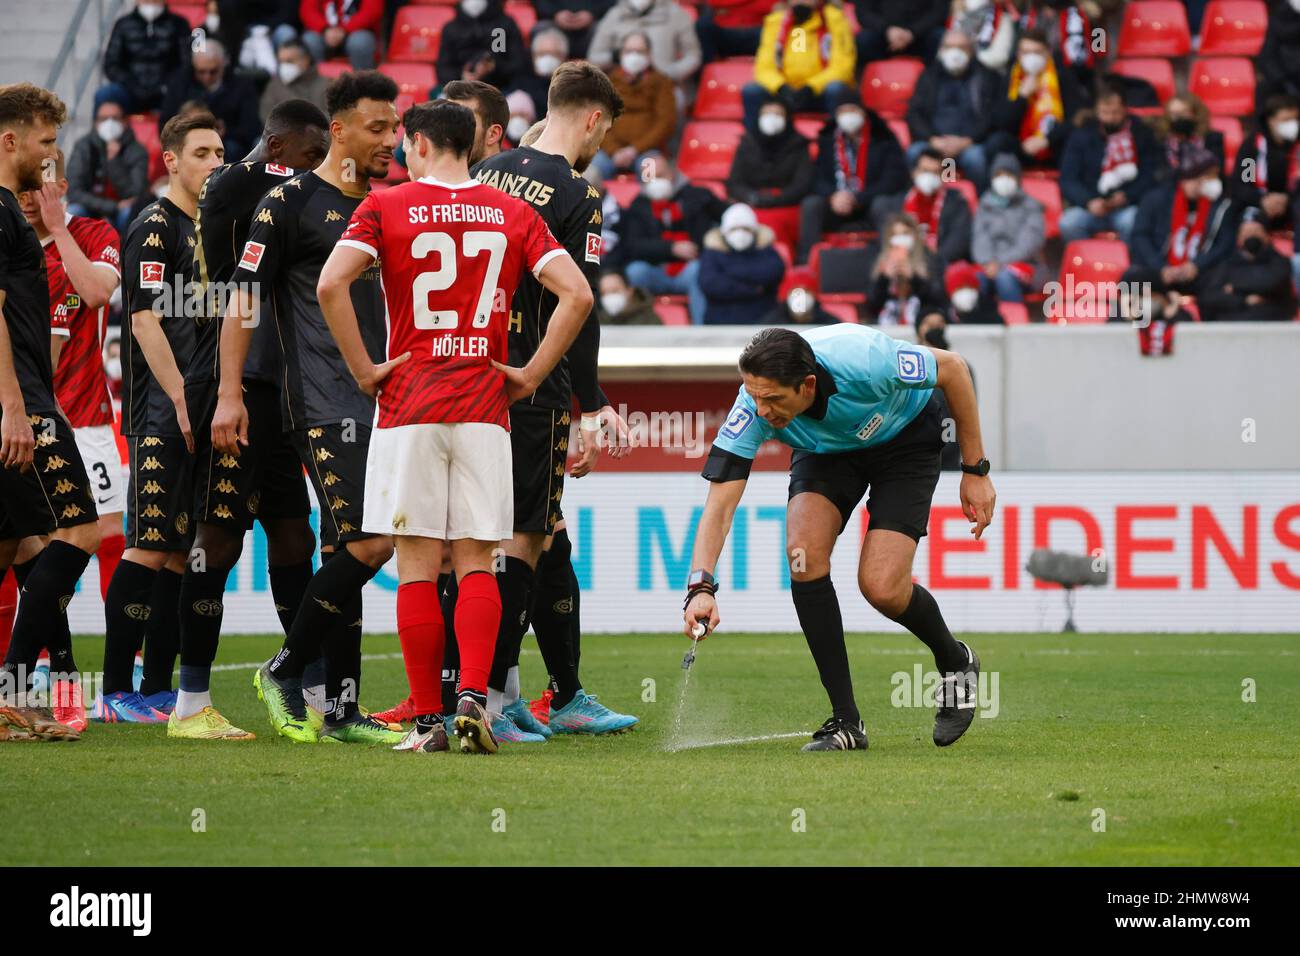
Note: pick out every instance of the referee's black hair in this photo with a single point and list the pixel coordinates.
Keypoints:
(294, 116)
(778, 354)
(448, 126)
(351, 88)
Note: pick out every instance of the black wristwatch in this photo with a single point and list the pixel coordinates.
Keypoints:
(700, 579)
(980, 467)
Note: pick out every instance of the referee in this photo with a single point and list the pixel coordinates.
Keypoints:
(860, 410)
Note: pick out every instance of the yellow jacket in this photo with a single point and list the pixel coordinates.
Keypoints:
(801, 62)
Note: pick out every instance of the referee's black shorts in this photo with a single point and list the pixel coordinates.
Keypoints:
(539, 446)
(901, 474)
(54, 492)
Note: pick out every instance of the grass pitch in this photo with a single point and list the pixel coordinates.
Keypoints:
(1152, 730)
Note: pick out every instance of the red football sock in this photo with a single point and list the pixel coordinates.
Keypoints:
(478, 618)
(8, 607)
(419, 628)
(109, 553)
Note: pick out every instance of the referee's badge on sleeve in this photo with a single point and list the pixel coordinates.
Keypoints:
(911, 366)
(735, 425)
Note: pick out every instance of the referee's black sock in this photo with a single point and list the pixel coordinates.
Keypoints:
(199, 606)
(288, 585)
(126, 610)
(552, 618)
(42, 619)
(818, 610)
(924, 619)
(450, 649)
(323, 606)
(514, 582)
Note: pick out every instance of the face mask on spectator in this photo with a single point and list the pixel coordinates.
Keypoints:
(800, 301)
(640, 6)
(473, 8)
(954, 58)
(1005, 186)
(634, 64)
(1033, 63)
(516, 128)
(546, 64)
(1183, 126)
(770, 124)
(289, 72)
(1295, 5)
(739, 239)
(150, 11)
(613, 302)
(212, 22)
(964, 300)
(1212, 189)
(850, 121)
(1253, 246)
(973, 5)
(902, 240)
(109, 130)
(659, 188)
(113, 368)
(1287, 130)
(927, 183)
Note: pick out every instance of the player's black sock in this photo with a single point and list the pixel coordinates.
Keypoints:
(427, 722)
(42, 609)
(343, 664)
(288, 585)
(575, 621)
(514, 582)
(551, 618)
(199, 606)
(450, 649)
(323, 606)
(126, 611)
(21, 571)
(818, 610)
(924, 619)
(162, 633)
(480, 699)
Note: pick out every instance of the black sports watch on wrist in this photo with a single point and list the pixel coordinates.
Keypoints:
(980, 467)
(700, 579)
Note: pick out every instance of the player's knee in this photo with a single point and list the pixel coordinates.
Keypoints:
(374, 552)
(84, 536)
(807, 562)
(289, 541)
(887, 595)
(219, 547)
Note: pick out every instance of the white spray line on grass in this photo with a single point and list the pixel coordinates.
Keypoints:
(736, 740)
(254, 665)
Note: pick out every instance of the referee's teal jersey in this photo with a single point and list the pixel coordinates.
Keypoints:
(877, 385)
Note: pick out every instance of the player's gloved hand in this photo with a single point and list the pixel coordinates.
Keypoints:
(621, 443)
(977, 500)
(370, 379)
(17, 440)
(702, 607)
(183, 422)
(230, 425)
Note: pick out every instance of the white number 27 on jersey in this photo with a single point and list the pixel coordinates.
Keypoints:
(473, 243)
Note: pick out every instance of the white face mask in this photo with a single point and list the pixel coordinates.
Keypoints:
(109, 130)
(546, 64)
(902, 240)
(1212, 189)
(640, 6)
(799, 301)
(212, 22)
(954, 58)
(634, 63)
(613, 302)
(928, 183)
(1005, 186)
(659, 188)
(516, 128)
(850, 121)
(150, 11)
(473, 8)
(1295, 5)
(1287, 130)
(113, 368)
(288, 72)
(739, 239)
(769, 124)
(963, 300)
(974, 5)
(1033, 63)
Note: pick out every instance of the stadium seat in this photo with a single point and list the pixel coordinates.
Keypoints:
(887, 85)
(1013, 313)
(1225, 84)
(416, 32)
(783, 250)
(1159, 73)
(1047, 192)
(842, 270)
(844, 311)
(331, 69)
(1230, 127)
(145, 128)
(740, 13)
(1233, 28)
(782, 220)
(899, 128)
(195, 13)
(523, 14)
(412, 79)
(707, 149)
(624, 189)
(717, 187)
(719, 94)
(1087, 264)
(1284, 243)
(672, 310)
(1154, 28)
(809, 125)
(433, 3)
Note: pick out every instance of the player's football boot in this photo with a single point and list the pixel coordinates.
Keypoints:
(164, 701)
(403, 713)
(362, 729)
(506, 731)
(838, 734)
(431, 741)
(125, 707)
(33, 723)
(957, 697)
(67, 704)
(285, 706)
(517, 713)
(586, 715)
(207, 724)
(473, 728)
(541, 707)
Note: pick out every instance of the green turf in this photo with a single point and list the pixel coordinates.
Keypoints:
(1151, 729)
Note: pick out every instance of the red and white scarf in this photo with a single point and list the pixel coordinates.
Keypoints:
(1074, 34)
(851, 170)
(1261, 167)
(668, 212)
(925, 209)
(1184, 236)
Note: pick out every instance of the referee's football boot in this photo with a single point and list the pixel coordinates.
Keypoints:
(838, 734)
(473, 727)
(285, 706)
(957, 696)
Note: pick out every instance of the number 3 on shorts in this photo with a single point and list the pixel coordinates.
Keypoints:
(444, 277)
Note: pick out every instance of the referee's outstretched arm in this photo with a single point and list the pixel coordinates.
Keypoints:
(977, 495)
(715, 522)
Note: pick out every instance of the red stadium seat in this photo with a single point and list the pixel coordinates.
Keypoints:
(1233, 28)
(707, 149)
(899, 128)
(1155, 28)
(1230, 127)
(714, 186)
(887, 85)
(434, 3)
(740, 13)
(844, 311)
(719, 94)
(331, 69)
(672, 310)
(624, 189)
(783, 250)
(1225, 84)
(195, 13)
(145, 128)
(1088, 266)
(416, 32)
(1013, 313)
(413, 79)
(1047, 192)
(809, 126)
(523, 14)
(782, 220)
(1284, 243)
(1159, 73)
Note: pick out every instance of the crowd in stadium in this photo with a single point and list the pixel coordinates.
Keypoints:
(876, 161)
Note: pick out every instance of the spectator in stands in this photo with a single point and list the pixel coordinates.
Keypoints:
(771, 167)
(482, 43)
(940, 209)
(147, 46)
(800, 307)
(1108, 166)
(251, 26)
(1253, 284)
(674, 47)
(661, 232)
(622, 304)
(889, 28)
(1185, 124)
(550, 48)
(1070, 30)
(806, 57)
(522, 115)
(108, 168)
(1008, 234)
(740, 269)
(232, 99)
(649, 109)
(343, 27)
(1278, 62)
(952, 107)
(730, 30)
(1183, 229)
(974, 301)
(906, 280)
(577, 18)
(858, 161)
(991, 26)
(296, 78)
(1036, 105)
(1268, 163)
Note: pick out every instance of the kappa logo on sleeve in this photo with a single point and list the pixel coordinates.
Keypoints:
(735, 425)
(252, 257)
(152, 275)
(911, 366)
(275, 170)
(593, 247)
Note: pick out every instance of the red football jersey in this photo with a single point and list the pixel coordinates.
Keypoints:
(80, 384)
(450, 257)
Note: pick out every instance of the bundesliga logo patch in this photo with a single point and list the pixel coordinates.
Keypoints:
(275, 170)
(151, 275)
(737, 423)
(593, 247)
(252, 256)
(911, 366)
